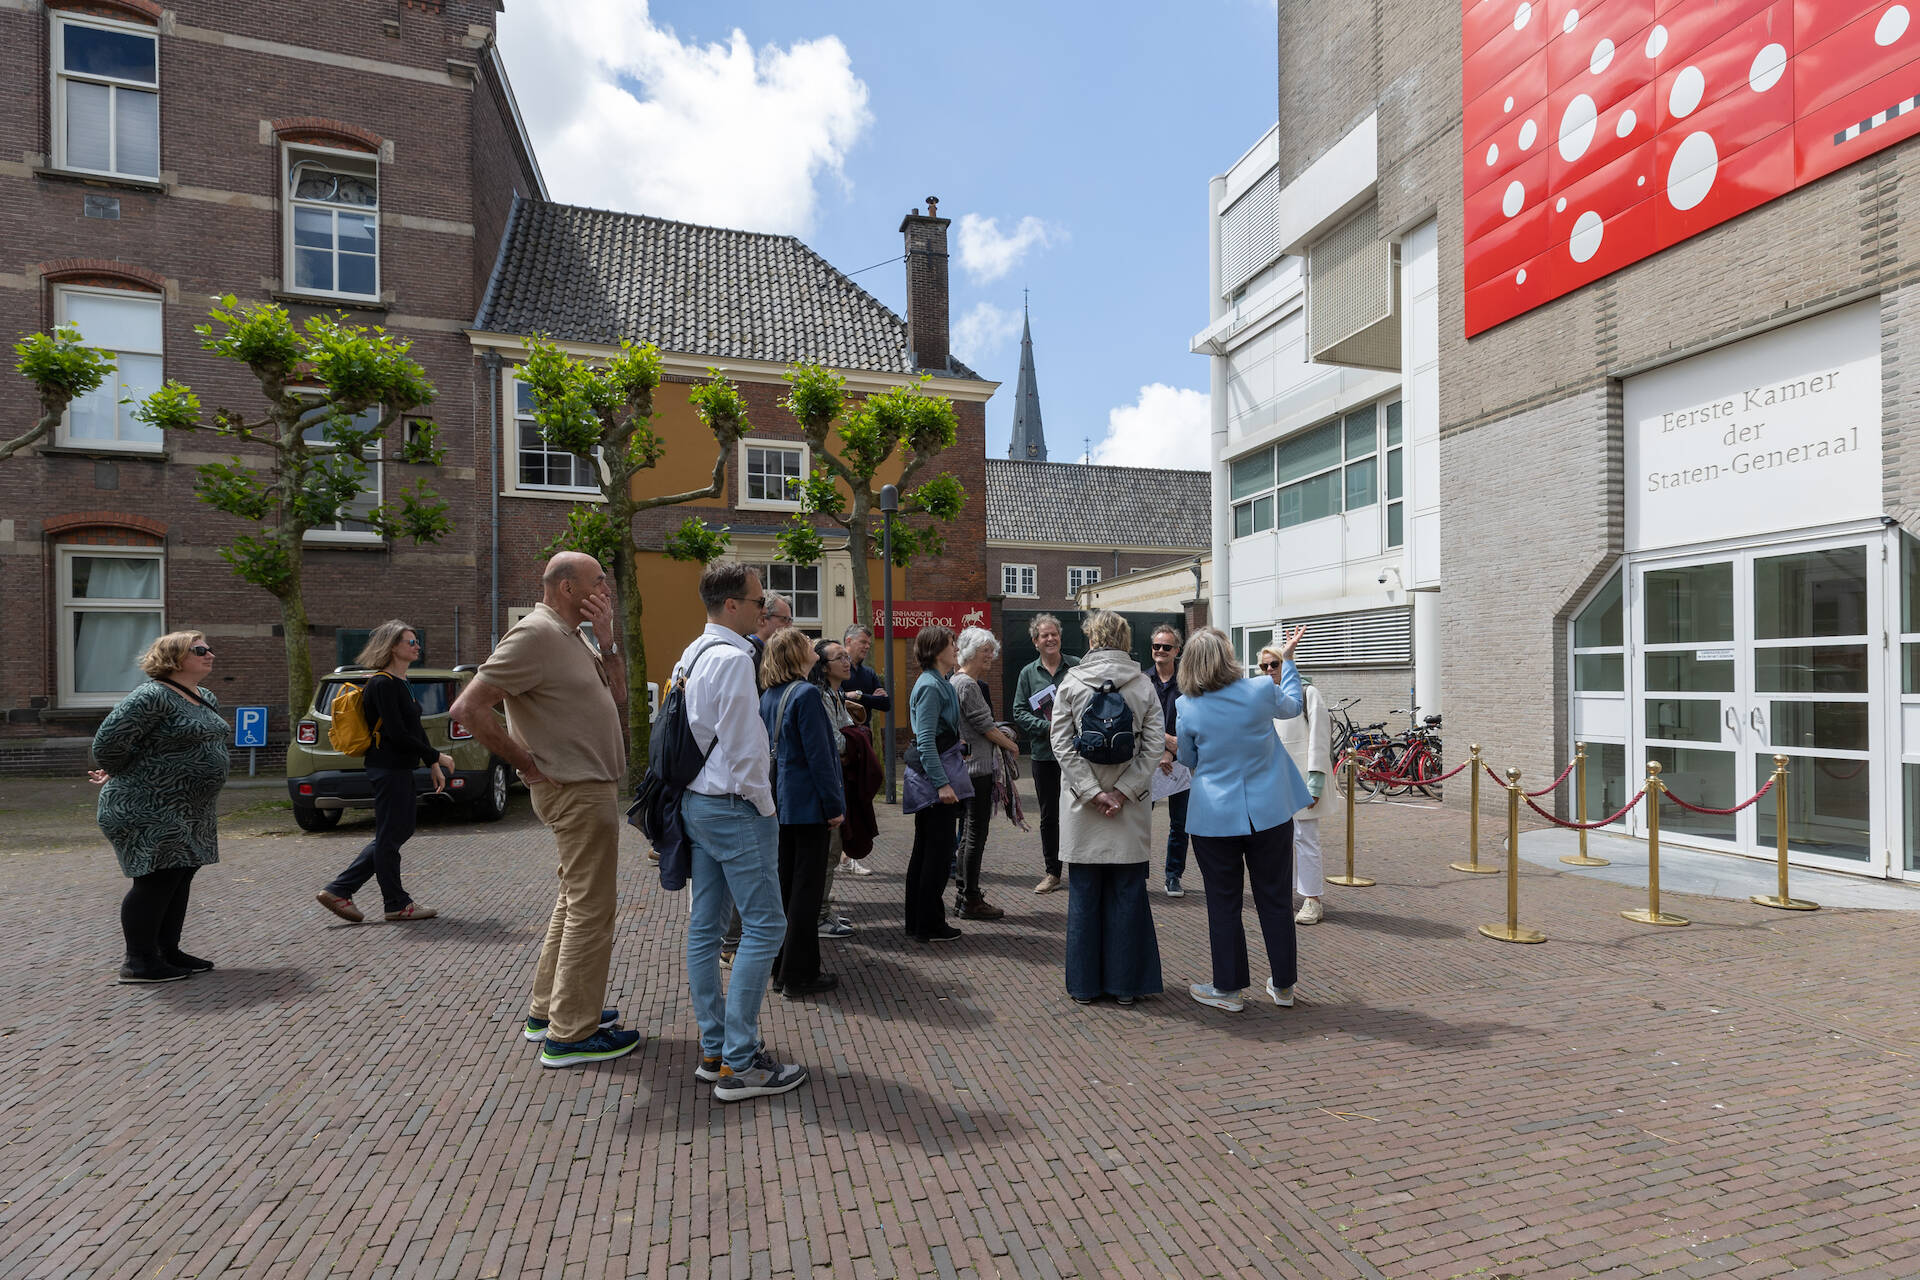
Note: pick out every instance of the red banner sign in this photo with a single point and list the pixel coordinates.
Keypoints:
(911, 615)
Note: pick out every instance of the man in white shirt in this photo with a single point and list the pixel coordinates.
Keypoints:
(734, 841)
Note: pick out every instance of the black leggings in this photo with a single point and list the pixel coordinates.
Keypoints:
(934, 829)
(152, 913)
(393, 821)
(1046, 788)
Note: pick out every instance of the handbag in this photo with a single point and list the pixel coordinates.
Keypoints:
(917, 791)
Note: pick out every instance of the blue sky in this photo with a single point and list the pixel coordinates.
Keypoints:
(1086, 134)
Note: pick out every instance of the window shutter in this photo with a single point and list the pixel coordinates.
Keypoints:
(1250, 234)
(1370, 638)
(1353, 296)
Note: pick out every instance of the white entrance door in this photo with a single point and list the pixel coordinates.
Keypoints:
(1774, 650)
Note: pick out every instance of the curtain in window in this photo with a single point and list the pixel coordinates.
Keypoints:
(137, 133)
(88, 112)
(115, 578)
(105, 647)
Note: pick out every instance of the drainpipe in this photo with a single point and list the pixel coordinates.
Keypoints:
(1220, 606)
(491, 363)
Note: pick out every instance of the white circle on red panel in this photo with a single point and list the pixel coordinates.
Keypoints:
(1561, 206)
(1656, 41)
(1585, 241)
(1576, 127)
(1768, 66)
(1602, 57)
(1521, 278)
(1696, 161)
(1493, 152)
(1515, 197)
(1625, 124)
(1893, 25)
(1520, 15)
(1528, 132)
(1572, 20)
(1688, 88)
(1509, 105)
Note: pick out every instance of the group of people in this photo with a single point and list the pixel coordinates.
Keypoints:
(784, 797)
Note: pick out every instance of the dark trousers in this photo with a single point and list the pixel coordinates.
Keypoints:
(1267, 859)
(1111, 947)
(393, 819)
(934, 829)
(153, 913)
(1177, 833)
(976, 815)
(803, 879)
(1046, 786)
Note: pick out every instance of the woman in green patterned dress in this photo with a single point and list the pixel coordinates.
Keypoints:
(163, 757)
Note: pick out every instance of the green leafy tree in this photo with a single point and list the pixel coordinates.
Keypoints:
(908, 421)
(604, 413)
(61, 371)
(307, 457)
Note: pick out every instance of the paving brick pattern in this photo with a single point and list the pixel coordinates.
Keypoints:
(1735, 1098)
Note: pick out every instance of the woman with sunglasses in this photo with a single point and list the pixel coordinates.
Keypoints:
(400, 745)
(163, 759)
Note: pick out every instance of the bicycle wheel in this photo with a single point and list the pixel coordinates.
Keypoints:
(1387, 772)
(1426, 766)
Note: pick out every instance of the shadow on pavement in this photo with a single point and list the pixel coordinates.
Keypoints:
(1394, 926)
(236, 988)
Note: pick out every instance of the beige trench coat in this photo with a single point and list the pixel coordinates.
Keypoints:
(1086, 834)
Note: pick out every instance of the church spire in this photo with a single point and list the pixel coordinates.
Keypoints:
(1029, 443)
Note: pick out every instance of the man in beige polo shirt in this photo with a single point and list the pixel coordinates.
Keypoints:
(563, 735)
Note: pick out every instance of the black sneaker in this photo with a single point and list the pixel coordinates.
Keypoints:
(536, 1028)
(764, 1078)
(192, 964)
(601, 1046)
(825, 982)
(945, 933)
(138, 972)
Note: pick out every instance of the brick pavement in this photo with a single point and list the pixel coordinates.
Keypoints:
(1735, 1098)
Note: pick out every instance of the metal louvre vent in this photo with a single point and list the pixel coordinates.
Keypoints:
(1353, 296)
(1250, 233)
(1372, 638)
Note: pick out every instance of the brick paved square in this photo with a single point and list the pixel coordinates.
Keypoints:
(1730, 1099)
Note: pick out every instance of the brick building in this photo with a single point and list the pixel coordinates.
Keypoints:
(1655, 266)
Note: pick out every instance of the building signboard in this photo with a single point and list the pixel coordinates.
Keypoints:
(911, 615)
(1774, 433)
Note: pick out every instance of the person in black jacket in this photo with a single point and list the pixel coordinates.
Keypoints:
(399, 746)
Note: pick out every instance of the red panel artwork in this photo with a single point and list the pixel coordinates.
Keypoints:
(1599, 132)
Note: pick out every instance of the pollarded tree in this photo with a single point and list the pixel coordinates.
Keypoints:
(61, 371)
(909, 421)
(604, 413)
(320, 380)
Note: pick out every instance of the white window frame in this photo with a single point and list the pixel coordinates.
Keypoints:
(740, 469)
(335, 535)
(510, 428)
(791, 594)
(1080, 575)
(62, 21)
(292, 153)
(66, 607)
(1026, 576)
(1269, 497)
(1389, 449)
(63, 436)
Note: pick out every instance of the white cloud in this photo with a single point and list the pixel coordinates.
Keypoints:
(1165, 427)
(625, 115)
(983, 330)
(986, 254)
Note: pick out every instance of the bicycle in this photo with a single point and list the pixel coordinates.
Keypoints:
(1365, 743)
(1411, 761)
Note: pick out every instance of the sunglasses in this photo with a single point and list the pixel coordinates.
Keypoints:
(758, 602)
(1269, 666)
(1164, 648)
(201, 651)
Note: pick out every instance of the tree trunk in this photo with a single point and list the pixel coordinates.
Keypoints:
(857, 548)
(626, 572)
(293, 621)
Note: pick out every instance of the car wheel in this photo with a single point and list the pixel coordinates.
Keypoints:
(492, 804)
(313, 818)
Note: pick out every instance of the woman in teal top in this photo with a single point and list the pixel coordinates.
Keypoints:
(163, 757)
(934, 713)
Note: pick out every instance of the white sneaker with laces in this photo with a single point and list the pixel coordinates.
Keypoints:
(1310, 912)
(858, 866)
(1208, 994)
(1282, 996)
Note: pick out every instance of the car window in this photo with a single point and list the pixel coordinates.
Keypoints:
(434, 696)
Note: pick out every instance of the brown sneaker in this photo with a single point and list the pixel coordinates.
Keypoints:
(413, 911)
(342, 907)
(978, 908)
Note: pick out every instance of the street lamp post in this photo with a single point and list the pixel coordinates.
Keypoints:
(889, 503)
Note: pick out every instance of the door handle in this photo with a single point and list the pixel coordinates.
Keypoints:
(1757, 722)
(1731, 719)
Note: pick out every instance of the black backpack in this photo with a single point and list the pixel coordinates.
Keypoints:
(1106, 728)
(674, 760)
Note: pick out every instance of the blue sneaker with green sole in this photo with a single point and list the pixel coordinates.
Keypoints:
(536, 1028)
(601, 1046)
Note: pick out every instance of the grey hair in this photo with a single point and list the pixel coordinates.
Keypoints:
(1040, 620)
(976, 640)
(855, 630)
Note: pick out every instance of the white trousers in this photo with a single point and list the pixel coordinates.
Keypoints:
(1307, 881)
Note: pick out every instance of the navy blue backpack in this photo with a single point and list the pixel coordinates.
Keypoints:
(1106, 728)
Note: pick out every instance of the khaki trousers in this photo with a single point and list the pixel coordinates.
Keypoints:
(570, 986)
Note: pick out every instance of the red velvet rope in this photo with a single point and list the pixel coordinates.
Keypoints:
(1502, 782)
(1588, 826)
(1449, 773)
(1752, 799)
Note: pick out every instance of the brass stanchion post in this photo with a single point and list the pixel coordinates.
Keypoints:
(1511, 930)
(1351, 880)
(1581, 859)
(1652, 914)
(1472, 865)
(1783, 900)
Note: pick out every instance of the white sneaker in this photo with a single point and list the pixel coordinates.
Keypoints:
(1282, 996)
(1310, 912)
(1206, 993)
(858, 866)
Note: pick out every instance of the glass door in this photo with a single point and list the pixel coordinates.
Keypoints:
(1690, 678)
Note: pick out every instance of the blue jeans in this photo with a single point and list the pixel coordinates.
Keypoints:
(1111, 947)
(1177, 833)
(736, 860)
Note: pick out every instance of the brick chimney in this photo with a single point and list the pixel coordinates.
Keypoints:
(926, 237)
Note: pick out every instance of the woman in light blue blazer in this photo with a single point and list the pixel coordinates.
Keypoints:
(1245, 793)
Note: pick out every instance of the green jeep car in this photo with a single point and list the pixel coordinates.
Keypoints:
(323, 783)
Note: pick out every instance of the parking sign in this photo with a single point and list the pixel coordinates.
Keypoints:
(249, 726)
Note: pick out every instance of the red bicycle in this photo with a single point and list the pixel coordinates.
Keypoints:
(1408, 762)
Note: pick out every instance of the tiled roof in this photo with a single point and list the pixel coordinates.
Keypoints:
(589, 275)
(1094, 506)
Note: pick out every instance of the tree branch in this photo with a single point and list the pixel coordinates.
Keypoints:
(711, 491)
(49, 419)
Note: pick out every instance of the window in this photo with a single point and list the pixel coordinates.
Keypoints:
(539, 465)
(1017, 580)
(800, 584)
(1321, 472)
(110, 611)
(352, 525)
(1079, 576)
(106, 100)
(128, 325)
(770, 475)
(1396, 480)
(1599, 656)
(333, 222)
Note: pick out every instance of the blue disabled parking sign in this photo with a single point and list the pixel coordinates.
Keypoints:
(249, 726)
